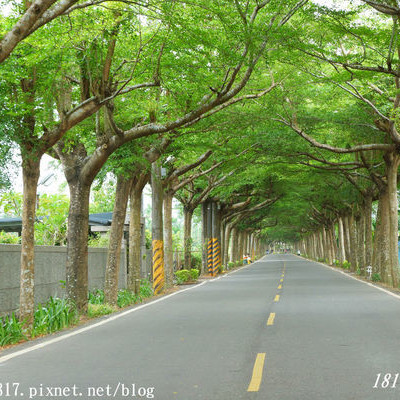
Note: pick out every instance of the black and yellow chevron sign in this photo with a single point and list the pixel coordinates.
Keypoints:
(158, 266)
(213, 256)
(210, 256)
(216, 256)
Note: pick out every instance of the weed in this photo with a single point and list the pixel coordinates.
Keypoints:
(11, 330)
(97, 310)
(126, 298)
(376, 277)
(54, 315)
(145, 289)
(96, 297)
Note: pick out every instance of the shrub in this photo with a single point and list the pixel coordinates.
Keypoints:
(99, 240)
(346, 265)
(9, 238)
(230, 265)
(376, 277)
(11, 330)
(196, 261)
(182, 276)
(194, 274)
(96, 310)
(54, 315)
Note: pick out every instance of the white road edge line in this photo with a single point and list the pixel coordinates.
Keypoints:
(355, 278)
(48, 342)
(92, 326)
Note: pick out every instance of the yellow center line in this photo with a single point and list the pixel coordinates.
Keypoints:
(280, 287)
(276, 298)
(271, 319)
(282, 280)
(256, 378)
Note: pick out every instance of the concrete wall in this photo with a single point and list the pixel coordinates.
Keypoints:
(50, 264)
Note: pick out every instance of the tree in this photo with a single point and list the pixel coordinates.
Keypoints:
(111, 136)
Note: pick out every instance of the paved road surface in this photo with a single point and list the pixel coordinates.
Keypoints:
(316, 335)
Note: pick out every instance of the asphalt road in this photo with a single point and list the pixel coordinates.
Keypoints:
(282, 328)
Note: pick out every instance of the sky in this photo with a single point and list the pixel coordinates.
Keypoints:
(50, 181)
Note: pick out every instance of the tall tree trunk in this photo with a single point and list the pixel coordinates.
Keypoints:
(240, 247)
(321, 245)
(383, 243)
(234, 246)
(334, 243)
(228, 232)
(392, 161)
(168, 245)
(360, 227)
(376, 254)
(329, 240)
(31, 172)
(353, 242)
(77, 250)
(328, 245)
(116, 235)
(346, 226)
(216, 230)
(135, 232)
(157, 228)
(342, 254)
(187, 236)
(222, 241)
(368, 230)
(204, 236)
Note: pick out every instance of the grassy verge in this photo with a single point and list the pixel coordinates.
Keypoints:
(57, 314)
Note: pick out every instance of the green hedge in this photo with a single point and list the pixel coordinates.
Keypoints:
(185, 275)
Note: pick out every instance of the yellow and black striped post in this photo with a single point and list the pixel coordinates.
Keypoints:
(158, 266)
(210, 256)
(216, 254)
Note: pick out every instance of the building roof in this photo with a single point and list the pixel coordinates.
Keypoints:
(14, 224)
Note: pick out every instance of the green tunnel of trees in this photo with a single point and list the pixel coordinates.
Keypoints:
(279, 117)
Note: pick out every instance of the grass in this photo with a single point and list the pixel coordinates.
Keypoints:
(97, 310)
(125, 297)
(57, 314)
(11, 330)
(53, 316)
